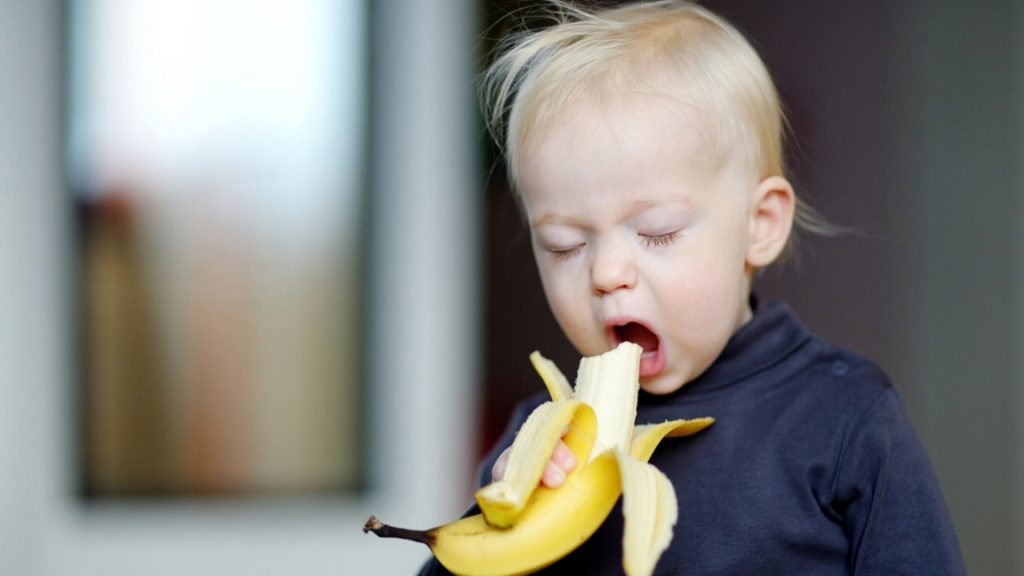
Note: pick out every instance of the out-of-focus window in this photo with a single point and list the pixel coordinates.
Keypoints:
(215, 154)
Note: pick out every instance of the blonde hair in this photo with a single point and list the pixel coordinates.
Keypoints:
(665, 47)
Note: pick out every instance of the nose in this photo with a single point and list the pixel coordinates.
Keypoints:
(612, 268)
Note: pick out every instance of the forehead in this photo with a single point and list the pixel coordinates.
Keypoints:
(624, 141)
(609, 94)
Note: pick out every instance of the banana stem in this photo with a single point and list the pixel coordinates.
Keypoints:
(382, 530)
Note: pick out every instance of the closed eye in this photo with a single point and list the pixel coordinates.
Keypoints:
(659, 239)
(563, 254)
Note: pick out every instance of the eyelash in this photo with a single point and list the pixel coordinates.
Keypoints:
(660, 239)
(656, 240)
(563, 255)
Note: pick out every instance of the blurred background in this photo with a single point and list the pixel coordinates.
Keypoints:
(261, 276)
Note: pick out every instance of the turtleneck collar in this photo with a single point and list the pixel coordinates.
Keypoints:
(772, 334)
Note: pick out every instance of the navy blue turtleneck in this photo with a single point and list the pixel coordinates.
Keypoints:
(811, 468)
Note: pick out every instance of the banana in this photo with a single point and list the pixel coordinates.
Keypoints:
(524, 526)
(556, 382)
(503, 501)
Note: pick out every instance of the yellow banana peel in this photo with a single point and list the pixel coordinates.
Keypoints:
(524, 526)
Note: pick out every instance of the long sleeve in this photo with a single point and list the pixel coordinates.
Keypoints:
(890, 500)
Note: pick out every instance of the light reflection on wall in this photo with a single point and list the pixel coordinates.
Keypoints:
(214, 152)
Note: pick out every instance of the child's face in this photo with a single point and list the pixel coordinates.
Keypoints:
(639, 235)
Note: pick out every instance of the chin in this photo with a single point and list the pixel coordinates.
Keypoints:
(660, 385)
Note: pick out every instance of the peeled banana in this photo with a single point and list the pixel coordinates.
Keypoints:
(524, 526)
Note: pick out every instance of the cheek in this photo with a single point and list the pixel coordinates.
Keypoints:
(701, 324)
(570, 305)
(549, 281)
(554, 286)
(703, 291)
(564, 301)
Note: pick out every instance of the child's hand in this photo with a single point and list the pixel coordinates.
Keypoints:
(562, 462)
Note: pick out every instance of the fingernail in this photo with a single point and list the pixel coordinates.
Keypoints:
(554, 477)
(570, 461)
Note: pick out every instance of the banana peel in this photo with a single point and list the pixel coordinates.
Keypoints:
(524, 526)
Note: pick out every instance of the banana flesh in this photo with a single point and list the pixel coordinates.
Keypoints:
(525, 526)
(610, 384)
(503, 501)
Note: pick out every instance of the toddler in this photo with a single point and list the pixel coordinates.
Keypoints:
(645, 146)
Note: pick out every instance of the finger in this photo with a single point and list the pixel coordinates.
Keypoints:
(553, 476)
(498, 470)
(563, 457)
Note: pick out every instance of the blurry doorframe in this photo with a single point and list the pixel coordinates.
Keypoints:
(423, 333)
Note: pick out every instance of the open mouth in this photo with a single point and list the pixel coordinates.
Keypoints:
(637, 334)
(652, 362)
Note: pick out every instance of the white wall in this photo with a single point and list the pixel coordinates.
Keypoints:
(32, 269)
(424, 317)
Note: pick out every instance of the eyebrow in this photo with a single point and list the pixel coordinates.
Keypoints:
(643, 205)
(635, 208)
(556, 220)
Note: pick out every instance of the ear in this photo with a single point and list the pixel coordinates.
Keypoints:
(771, 220)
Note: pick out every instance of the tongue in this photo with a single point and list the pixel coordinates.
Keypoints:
(637, 334)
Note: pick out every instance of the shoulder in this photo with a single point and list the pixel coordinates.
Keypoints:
(837, 396)
(857, 402)
(776, 349)
(852, 382)
(882, 484)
